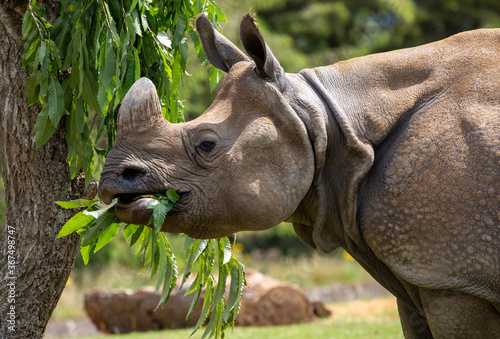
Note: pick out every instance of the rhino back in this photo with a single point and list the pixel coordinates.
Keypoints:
(429, 207)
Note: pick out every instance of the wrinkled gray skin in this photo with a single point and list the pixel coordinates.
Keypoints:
(395, 157)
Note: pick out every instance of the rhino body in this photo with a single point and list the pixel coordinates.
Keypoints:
(394, 157)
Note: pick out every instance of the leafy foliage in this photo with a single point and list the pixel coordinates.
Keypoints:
(98, 225)
(82, 65)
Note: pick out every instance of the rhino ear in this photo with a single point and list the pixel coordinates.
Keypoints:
(268, 67)
(221, 52)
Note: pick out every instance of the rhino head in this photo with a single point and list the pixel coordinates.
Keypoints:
(246, 163)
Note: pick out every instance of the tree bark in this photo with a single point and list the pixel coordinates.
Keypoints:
(34, 265)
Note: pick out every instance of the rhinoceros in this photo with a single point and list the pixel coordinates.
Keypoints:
(394, 157)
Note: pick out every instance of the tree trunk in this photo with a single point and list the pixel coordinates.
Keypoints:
(34, 266)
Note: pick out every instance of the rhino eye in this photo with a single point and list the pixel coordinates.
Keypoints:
(206, 146)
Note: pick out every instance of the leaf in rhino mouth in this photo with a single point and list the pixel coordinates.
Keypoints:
(98, 224)
(161, 205)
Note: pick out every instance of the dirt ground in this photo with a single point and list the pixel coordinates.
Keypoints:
(366, 310)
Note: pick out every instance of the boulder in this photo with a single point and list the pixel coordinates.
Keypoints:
(265, 302)
(268, 301)
(135, 311)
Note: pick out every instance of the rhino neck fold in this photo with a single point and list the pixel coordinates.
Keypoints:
(348, 160)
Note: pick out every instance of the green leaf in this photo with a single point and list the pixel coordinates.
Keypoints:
(162, 270)
(101, 223)
(207, 303)
(184, 51)
(110, 22)
(29, 52)
(173, 196)
(164, 39)
(132, 6)
(76, 203)
(144, 22)
(80, 153)
(215, 75)
(44, 128)
(170, 279)
(89, 91)
(130, 29)
(130, 78)
(210, 329)
(137, 234)
(180, 27)
(76, 222)
(176, 76)
(55, 101)
(188, 242)
(189, 264)
(221, 17)
(201, 247)
(85, 252)
(137, 67)
(103, 96)
(227, 250)
(128, 230)
(41, 52)
(221, 285)
(196, 287)
(107, 71)
(106, 236)
(32, 90)
(27, 25)
(137, 26)
(160, 209)
(235, 290)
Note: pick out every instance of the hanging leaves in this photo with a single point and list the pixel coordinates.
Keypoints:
(98, 225)
(83, 64)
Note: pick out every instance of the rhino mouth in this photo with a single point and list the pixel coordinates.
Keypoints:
(128, 199)
(133, 207)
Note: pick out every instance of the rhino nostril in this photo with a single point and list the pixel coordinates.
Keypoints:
(131, 174)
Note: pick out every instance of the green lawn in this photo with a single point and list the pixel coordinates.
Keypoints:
(338, 329)
(373, 319)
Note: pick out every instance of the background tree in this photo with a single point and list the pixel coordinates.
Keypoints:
(59, 99)
(310, 33)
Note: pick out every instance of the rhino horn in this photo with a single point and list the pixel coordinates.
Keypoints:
(140, 108)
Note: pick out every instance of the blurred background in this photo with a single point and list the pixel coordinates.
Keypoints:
(301, 34)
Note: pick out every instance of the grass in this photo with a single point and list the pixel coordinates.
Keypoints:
(358, 319)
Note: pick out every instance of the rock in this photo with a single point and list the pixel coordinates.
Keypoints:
(268, 301)
(128, 311)
(265, 302)
(320, 310)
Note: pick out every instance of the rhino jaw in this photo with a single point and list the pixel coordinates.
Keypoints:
(133, 211)
(133, 207)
